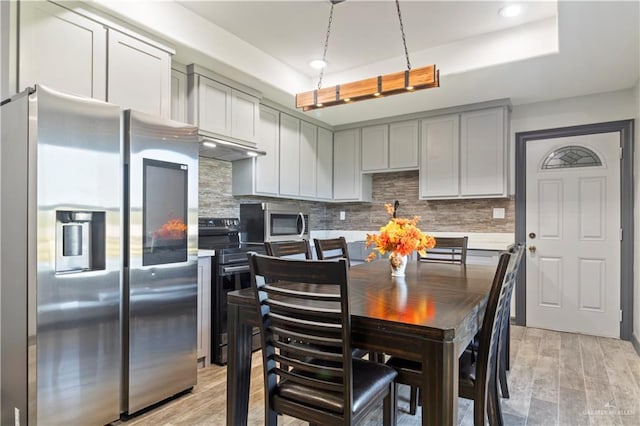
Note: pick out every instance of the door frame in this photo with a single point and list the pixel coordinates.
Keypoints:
(625, 128)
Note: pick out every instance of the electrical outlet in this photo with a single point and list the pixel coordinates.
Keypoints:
(16, 416)
(498, 213)
(343, 215)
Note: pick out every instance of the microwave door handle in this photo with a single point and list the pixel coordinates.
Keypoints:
(304, 225)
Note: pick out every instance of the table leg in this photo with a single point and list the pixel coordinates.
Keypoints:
(439, 384)
(238, 367)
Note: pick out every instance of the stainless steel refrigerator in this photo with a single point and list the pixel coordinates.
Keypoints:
(98, 260)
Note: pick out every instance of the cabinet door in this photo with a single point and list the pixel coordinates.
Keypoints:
(439, 161)
(324, 177)
(267, 167)
(178, 96)
(245, 113)
(62, 50)
(403, 145)
(289, 155)
(139, 75)
(308, 159)
(346, 165)
(375, 148)
(214, 106)
(204, 311)
(482, 153)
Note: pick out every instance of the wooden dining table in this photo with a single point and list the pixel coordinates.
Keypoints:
(429, 315)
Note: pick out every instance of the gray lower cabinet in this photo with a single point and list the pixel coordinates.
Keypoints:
(204, 310)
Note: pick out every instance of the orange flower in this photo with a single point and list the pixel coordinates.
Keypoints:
(400, 236)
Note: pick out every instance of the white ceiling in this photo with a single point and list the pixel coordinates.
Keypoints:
(362, 32)
(553, 50)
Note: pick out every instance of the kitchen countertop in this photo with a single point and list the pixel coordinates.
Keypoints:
(205, 253)
(477, 240)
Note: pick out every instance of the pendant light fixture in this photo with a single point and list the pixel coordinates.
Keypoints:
(369, 88)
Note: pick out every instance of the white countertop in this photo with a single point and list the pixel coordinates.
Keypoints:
(205, 253)
(477, 240)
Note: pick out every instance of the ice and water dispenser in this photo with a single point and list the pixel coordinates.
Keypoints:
(80, 241)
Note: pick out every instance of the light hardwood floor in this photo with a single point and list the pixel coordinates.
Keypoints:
(555, 379)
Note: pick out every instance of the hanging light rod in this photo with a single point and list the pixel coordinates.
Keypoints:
(369, 88)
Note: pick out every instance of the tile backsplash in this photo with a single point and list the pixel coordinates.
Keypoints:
(471, 215)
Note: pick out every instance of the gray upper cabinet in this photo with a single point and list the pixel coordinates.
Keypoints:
(390, 147)
(403, 145)
(464, 155)
(325, 165)
(439, 160)
(483, 148)
(214, 106)
(75, 54)
(221, 107)
(375, 148)
(267, 167)
(62, 50)
(308, 159)
(178, 95)
(289, 155)
(245, 114)
(261, 175)
(139, 75)
(349, 184)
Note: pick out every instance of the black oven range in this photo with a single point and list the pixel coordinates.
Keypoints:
(230, 271)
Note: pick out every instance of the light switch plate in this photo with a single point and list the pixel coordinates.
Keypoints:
(343, 215)
(498, 213)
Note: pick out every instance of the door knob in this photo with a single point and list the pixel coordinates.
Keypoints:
(532, 249)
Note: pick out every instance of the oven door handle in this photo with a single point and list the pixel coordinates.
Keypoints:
(304, 225)
(234, 269)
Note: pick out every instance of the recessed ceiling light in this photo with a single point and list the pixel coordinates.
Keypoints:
(509, 11)
(318, 64)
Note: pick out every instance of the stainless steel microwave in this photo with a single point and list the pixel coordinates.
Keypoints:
(260, 222)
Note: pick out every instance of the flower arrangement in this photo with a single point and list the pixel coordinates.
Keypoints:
(172, 229)
(399, 236)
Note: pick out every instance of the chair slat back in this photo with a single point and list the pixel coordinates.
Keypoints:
(497, 308)
(305, 328)
(448, 249)
(334, 248)
(289, 249)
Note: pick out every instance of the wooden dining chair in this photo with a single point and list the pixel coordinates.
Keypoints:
(289, 249)
(448, 249)
(477, 374)
(309, 372)
(334, 248)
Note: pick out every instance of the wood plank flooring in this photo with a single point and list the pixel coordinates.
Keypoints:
(555, 379)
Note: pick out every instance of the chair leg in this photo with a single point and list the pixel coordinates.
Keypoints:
(389, 415)
(494, 409)
(413, 400)
(504, 386)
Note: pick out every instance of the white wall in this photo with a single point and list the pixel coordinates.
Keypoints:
(609, 106)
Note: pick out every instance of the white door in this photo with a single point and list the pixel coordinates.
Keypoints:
(573, 234)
